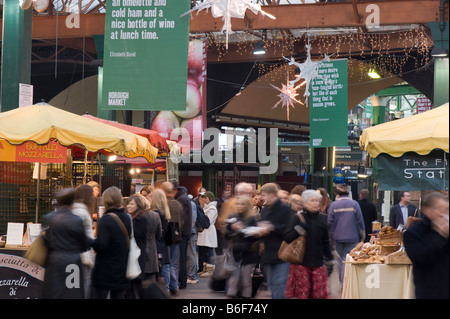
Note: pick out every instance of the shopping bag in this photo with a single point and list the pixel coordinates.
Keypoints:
(224, 265)
(37, 252)
(294, 251)
(133, 267)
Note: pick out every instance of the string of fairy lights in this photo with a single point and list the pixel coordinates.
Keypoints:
(386, 52)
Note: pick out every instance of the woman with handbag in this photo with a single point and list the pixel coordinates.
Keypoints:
(147, 228)
(308, 279)
(111, 246)
(244, 248)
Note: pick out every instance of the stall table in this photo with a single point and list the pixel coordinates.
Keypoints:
(377, 281)
(19, 277)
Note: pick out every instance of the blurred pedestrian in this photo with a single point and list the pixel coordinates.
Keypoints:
(283, 196)
(146, 191)
(427, 245)
(295, 203)
(399, 213)
(182, 197)
(147, 228)
(192, 249)
(65, 238)
(200, 192)
(308, 280)
(325, 201)
(111, 246)
(207, 239)
(160, 205)
(298, 189)
(257, 202)
(244, 248)
(275, 216)
(369, 212)
(173, 237)
(84, 207)
(98, 201)
(346, 223)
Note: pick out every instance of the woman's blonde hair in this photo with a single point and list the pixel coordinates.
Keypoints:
(248, 202)
(112, 198)
(159, 201)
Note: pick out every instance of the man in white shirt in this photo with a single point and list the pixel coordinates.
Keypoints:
(399, 213)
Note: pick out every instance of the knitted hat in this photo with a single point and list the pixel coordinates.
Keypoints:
(210, 195)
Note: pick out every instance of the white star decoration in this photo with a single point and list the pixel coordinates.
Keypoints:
(309, 70)
(287, 96)
(228, 9)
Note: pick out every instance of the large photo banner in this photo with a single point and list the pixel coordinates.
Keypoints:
(192, 118)
(328, 105)
(145, 55)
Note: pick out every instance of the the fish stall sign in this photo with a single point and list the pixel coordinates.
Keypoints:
(413, 172)
(20, 278)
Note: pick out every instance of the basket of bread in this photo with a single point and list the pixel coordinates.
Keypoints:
(390, 236)
(367, 253)
(385, 248)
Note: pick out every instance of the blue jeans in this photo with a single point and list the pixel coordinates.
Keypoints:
(343, 249)
(277, 275)
(170, 271)
(192, 258)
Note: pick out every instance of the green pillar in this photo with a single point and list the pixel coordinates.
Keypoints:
(439, 31)
(330, 167)
(16, 52)
(209, 179)
(441, 74)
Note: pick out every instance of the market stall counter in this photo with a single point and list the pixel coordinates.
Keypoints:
(20, 278)
(379, 269)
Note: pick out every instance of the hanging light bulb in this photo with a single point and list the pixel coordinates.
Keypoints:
(259, 49)
(373, 74)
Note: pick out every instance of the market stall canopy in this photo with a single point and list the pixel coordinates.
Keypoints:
(419, 133)
(153, 137)
(43, 123)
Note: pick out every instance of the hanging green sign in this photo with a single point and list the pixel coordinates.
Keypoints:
(145, 55)
(328, 105)
(368, 110)
(413, 172)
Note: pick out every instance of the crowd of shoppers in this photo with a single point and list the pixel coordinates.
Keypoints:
(251, 224)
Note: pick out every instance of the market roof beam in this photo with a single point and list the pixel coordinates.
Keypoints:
(295, 16)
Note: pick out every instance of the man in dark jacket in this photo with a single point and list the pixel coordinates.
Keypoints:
(65, 239)
(427, 245)
(275, 217)
(399, 213)
(368, 210)
(185, 202)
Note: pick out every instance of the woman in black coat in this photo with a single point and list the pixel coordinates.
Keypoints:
(109, 274)
(309, 279)
(65, 239)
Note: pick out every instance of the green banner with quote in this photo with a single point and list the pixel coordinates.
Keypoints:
(145, 55)
(328, 105)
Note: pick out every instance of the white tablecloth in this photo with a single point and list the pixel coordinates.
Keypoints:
(377, 281)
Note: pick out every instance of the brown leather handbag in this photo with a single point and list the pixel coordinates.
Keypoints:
(294, 251)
